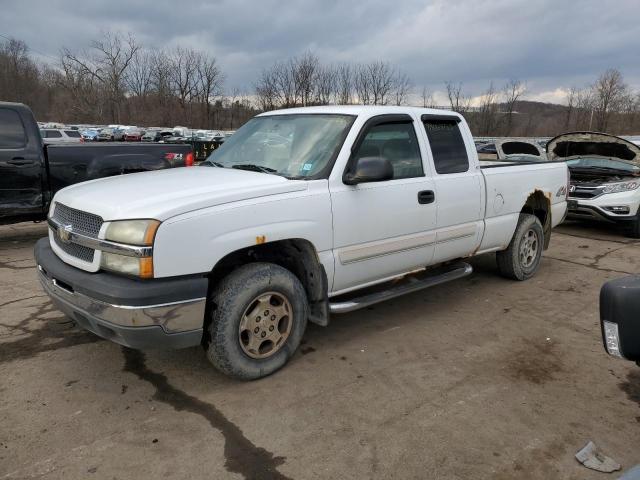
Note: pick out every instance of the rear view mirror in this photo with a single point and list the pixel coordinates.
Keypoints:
(620, 317)
(369, 169)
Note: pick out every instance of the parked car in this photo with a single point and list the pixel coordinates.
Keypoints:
(106, 134)
(152, 136)
(605, 183)
(133, 135)
(31, 173)
(487, 151)
(237, 255)
(59, 135)
(620, 317)
(90, 135)
(519, 150)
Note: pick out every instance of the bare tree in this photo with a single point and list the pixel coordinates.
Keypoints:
(209, 80)
(362, 85)
(345, 84)
(609, 93)
(513, 91)
(107, 63)
(304, 74)
(326, 84)
(427, 98)
(572, 97)
(401, 88)
(457, 100)
(488, 110)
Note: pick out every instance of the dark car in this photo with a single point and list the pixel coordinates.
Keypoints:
(31, 172)
(620, 317)
(152, 136)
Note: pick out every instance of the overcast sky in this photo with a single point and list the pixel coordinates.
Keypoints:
(552, 45)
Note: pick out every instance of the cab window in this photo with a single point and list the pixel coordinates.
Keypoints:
(397, 143)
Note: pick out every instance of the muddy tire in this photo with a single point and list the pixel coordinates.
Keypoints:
(521, 259)
(258, 317)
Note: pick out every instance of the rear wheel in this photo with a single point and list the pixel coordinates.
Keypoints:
(521, 259)
(258, 316)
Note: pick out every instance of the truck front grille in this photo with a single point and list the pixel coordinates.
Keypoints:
(78, 251)
(81, 222)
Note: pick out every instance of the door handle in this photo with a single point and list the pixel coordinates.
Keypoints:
(19, 161)
(426, 196)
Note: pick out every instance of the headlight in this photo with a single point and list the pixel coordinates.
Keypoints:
(621, 187)
(132, 232)
(135, 266)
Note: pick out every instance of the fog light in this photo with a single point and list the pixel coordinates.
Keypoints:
(611, 338)
(618, 209)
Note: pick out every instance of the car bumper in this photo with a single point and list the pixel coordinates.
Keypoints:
(160, 313)
(579, 209)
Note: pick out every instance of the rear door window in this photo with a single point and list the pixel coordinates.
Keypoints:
(12, 134)
(53, 134)
(447, 146)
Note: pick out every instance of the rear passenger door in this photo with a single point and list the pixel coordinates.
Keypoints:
(382, 229)
(459, 187)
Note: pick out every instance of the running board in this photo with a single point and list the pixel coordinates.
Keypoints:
(454, 272)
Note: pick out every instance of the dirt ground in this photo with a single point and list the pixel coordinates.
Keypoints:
(479, 378)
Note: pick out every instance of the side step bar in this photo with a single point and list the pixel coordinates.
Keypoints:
(454, 272)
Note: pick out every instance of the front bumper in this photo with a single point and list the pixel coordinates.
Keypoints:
(160, 313)
(589, 210)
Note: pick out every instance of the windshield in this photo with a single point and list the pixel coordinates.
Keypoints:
(297, 145)
(599, 162)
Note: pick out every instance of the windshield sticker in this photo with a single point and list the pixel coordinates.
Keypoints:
(306, 167)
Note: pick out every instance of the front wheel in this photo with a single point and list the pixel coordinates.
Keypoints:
(521, 259)
(258, 316)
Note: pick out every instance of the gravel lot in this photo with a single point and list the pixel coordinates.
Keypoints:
(480, 378)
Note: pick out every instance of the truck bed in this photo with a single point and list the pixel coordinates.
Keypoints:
(74, 163)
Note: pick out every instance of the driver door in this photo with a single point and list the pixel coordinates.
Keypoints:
(383, 229)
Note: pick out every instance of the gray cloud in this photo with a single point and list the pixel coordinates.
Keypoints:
(549, 44)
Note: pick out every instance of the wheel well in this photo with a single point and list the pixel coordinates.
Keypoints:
(539, 204)
(296, 255)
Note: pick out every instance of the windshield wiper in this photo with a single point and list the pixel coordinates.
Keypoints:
(212, 164)
(254, 168)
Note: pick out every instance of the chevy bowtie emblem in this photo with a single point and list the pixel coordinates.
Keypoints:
(64, 233)
(572, 188)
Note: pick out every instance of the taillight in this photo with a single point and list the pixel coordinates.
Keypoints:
(188, 160)
(81, 140)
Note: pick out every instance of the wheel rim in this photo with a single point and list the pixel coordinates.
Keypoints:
(529, 248)
(265, 325)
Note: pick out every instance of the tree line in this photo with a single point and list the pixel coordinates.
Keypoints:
(115, 79)
(304, 81)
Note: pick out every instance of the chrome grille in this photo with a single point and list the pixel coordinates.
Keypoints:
(78, 251)
(81, 222)
(585, 192)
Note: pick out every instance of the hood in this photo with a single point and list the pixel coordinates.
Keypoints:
(520, 147)
(165, 193)
(592, 144)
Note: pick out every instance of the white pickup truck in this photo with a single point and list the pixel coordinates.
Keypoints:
(300, 214)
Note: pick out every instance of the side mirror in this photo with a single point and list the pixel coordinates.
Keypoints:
(369, 169)
(620, 317)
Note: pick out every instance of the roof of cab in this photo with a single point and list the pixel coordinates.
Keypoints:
(366, 110)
